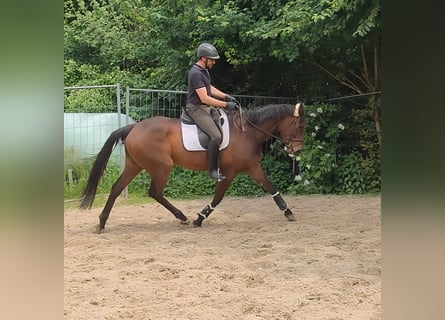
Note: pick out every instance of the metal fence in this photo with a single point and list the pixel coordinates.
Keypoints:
(103, 103)
(144, 103)
(91, 113)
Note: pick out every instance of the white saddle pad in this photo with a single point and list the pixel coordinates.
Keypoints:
(190, 138)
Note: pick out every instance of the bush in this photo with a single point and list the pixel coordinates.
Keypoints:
(333, 161)
(76, 177)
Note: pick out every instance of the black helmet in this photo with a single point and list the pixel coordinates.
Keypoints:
(207, 50)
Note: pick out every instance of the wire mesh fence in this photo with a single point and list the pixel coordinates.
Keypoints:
(144, 103)
(91, 113)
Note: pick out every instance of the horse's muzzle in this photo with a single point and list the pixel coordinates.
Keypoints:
(293, 148)
(291, 152)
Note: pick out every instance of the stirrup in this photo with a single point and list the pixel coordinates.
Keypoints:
(216, 174)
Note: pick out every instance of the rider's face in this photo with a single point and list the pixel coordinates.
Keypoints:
(210, 62)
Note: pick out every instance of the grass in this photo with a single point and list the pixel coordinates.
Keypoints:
(100, 200)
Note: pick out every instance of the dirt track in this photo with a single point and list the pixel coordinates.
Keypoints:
(246, 262)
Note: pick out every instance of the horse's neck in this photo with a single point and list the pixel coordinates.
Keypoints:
(265, 129)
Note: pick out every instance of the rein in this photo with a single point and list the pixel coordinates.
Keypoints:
(264, 131)
(286, 143)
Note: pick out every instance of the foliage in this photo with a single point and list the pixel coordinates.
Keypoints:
(76, 175)
(90, 100)
(154, 42)
(185, 183)
(116, 42)
(326, 166)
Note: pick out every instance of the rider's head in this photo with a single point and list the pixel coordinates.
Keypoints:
(207, 51)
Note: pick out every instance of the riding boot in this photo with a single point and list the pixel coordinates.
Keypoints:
(212, 156)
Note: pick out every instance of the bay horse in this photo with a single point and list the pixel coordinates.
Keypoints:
(155, 145)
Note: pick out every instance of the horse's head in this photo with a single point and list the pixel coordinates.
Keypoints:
(292, 130)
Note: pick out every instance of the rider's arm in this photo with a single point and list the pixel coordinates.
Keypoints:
(217, 93)
(206, 99)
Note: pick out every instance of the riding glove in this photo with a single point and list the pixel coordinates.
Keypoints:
(229, 98)
(231, 106)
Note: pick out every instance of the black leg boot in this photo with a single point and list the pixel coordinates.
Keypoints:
(212, 156)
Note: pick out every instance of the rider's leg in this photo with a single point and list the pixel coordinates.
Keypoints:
(202, 117)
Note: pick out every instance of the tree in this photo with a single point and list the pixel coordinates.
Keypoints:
(339, 38)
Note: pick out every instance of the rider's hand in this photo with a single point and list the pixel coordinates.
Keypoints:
(231, 106)
(229, 98)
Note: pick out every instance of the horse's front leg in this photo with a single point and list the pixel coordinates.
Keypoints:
(258, 175)
(220, 190)
(283, 206)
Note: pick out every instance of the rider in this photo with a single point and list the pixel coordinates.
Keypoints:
(201, 97)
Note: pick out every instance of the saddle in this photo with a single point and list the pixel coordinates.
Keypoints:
(194, 139)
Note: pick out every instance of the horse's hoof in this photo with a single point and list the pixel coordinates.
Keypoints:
(99, 229)
(289, 215)
(185, 222)
(197, 223)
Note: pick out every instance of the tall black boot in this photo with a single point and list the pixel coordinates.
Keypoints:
(212, 156)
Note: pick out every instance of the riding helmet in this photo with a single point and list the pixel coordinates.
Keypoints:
(207, 50)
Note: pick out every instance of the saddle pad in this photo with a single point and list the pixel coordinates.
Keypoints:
(190, 138)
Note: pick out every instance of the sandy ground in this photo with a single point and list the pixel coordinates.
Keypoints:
(246, 262)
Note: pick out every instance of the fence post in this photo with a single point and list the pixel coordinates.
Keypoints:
(121, 146)
(127, 105)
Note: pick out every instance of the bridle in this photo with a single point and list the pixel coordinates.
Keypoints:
(287, 142)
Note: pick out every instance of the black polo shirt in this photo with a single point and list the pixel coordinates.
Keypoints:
(197, 78)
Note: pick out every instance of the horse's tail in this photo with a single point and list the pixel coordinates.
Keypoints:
(100, 163)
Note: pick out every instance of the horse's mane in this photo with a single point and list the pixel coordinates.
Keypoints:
(275, 111)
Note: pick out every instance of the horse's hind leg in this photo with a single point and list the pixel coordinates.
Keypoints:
(130, 171)
(159, 179)
(220, 190)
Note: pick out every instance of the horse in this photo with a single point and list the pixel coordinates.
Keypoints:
(154, 145)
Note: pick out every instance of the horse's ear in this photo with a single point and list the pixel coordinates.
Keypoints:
(297, 109)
